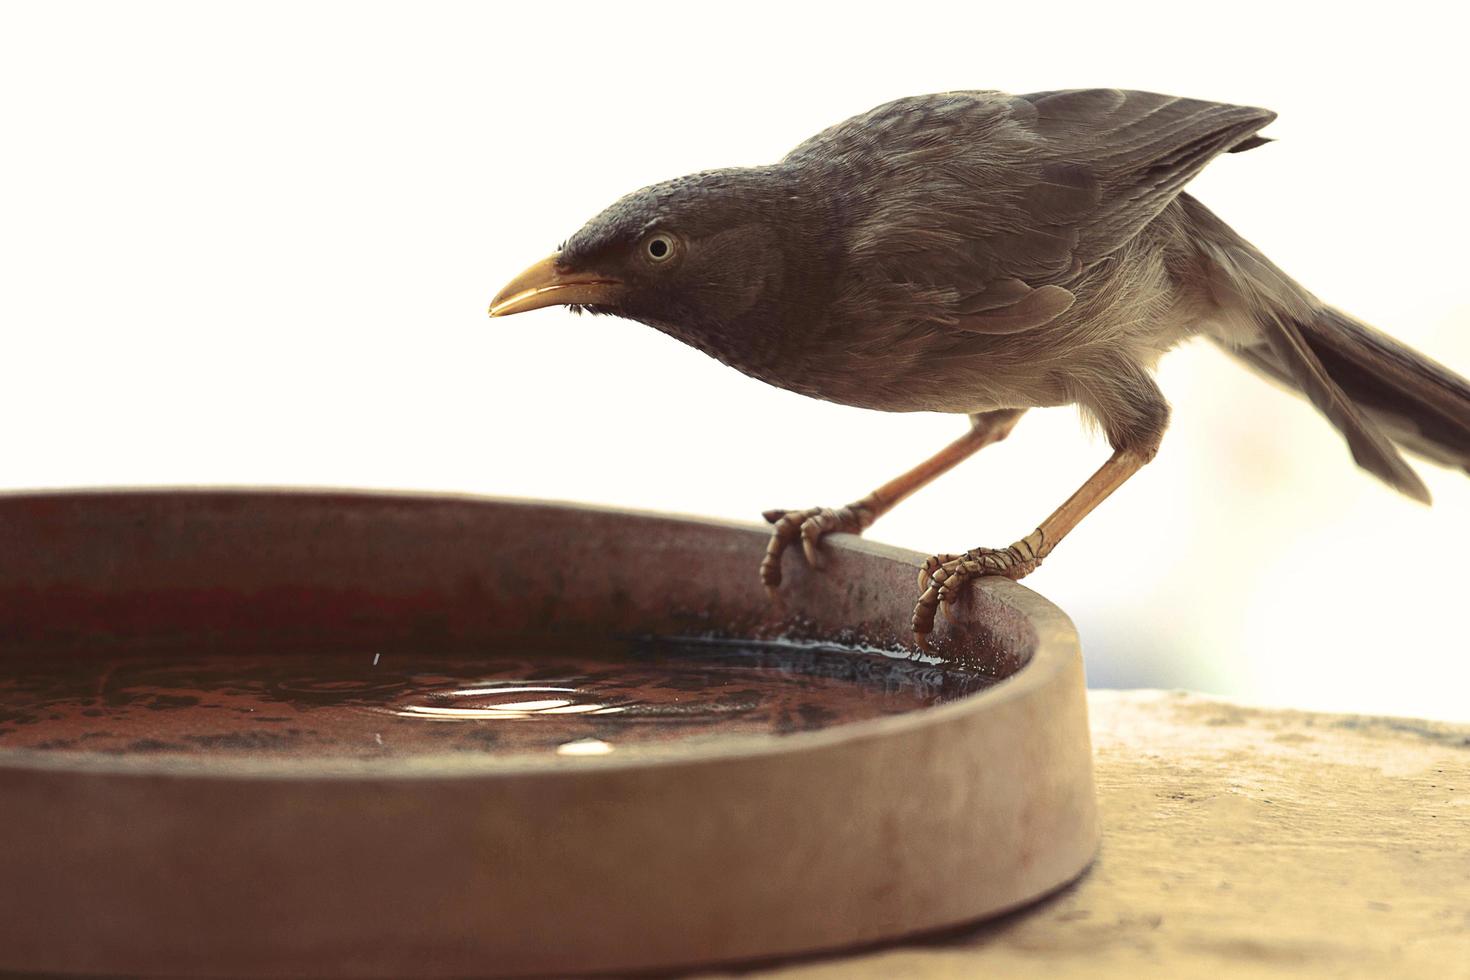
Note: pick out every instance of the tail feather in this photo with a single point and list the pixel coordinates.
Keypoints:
(1379, 393)
(1399, 415)
(1371, 448)
(1421, 404)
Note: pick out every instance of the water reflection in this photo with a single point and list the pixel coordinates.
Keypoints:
(568, 701)
(584, 746)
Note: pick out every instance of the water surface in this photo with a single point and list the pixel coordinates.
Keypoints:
(569, 701)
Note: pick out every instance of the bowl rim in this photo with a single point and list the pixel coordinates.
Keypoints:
(1056, 647)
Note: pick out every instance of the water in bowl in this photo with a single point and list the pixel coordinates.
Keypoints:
(573, 701)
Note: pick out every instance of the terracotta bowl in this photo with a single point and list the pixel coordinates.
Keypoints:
(661, 855)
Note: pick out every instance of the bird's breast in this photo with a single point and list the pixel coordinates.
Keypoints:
(892, 375)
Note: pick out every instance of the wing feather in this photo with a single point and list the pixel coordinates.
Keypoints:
(1002, 201)
(1139, 148)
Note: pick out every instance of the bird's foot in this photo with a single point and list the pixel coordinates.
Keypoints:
(943, 576)
(811, 525)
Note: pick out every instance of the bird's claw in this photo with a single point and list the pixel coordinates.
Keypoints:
(931, 565)
(943, 577)
(811, 525)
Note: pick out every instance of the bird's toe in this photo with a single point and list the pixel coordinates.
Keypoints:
(812, 531)
(811, 526)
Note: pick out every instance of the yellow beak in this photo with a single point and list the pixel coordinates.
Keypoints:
(544, 284)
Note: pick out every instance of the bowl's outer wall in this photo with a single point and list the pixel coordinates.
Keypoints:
(438, 868)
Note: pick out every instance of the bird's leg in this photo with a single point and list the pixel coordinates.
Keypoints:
(1135, 432)
(811, 524)
(943, 575)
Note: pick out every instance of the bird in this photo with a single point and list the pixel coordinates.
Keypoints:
(982, 254)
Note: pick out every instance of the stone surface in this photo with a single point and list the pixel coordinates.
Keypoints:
(1240, 843)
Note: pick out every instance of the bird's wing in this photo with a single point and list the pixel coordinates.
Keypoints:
(1011, 306)
(1002, 202)
(1107, 162)
(1115, 159)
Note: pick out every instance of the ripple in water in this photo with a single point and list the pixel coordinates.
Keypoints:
(578, 702)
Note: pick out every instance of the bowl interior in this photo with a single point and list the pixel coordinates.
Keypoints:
(279, 625)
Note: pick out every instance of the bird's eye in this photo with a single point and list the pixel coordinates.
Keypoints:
(658, 248)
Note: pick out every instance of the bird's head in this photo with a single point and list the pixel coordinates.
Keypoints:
(697, 257)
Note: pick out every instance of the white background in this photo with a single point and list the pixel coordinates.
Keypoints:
(253, 244)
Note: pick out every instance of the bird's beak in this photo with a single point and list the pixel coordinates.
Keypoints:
(545, 284)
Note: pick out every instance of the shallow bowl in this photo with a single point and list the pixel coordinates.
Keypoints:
(654, 856)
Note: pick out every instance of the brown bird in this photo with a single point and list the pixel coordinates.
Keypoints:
(983, 253)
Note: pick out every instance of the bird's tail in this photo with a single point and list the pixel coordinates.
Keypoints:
(1417, 403)
(1381, 394)
(1420, 403)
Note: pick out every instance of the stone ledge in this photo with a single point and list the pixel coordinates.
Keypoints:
(1240, 842)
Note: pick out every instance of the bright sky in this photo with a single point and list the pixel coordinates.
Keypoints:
(253, 243)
